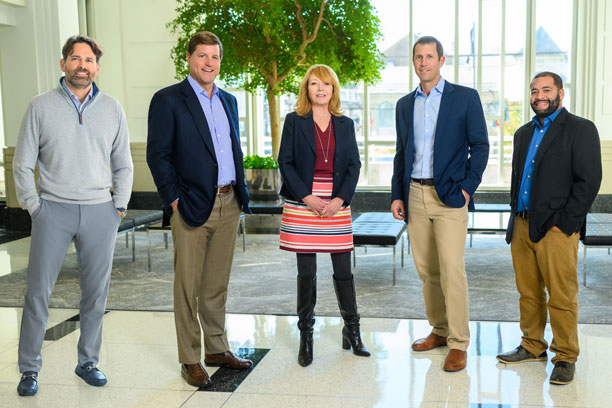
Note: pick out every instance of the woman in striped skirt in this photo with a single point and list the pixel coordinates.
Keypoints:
(319, 163)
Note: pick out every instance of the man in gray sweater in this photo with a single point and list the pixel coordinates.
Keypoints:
(78, 137)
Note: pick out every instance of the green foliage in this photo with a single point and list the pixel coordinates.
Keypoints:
(262, 40)
(258, 162)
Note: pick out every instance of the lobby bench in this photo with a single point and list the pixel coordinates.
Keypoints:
(598, 235)
(378, 229)
(134, 220)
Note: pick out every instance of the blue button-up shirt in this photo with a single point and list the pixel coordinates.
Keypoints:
(536, 140)
(75, 99)
(219, 127)
(425, 118)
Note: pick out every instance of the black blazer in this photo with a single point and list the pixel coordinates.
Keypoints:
(566, 175)
(298, 154)
(461, 146)
(181, 154)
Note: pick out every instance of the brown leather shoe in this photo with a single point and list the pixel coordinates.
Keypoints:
(195, 375)
(430, 342)
(227, 359)
(456, 360)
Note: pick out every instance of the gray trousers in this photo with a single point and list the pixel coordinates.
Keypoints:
(54, 225)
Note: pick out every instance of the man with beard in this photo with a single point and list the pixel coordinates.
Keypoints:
(556, 173)
(78, 137)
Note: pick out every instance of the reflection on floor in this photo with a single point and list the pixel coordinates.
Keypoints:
(139, 357)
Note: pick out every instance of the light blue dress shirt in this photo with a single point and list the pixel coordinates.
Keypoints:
(425, 118)
(219, 127)
(536, 141)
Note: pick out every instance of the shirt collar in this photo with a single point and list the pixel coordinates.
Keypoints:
(73, 96)
(198, 89)
(547, 120)
(439, 88)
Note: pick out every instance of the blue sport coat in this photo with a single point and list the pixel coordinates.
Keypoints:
(181, 154)
(461, 146)
(298, 154)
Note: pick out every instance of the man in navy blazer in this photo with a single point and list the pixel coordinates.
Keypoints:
(442, 152)
(193, 151)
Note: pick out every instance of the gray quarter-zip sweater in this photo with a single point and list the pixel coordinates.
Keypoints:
(80, 155)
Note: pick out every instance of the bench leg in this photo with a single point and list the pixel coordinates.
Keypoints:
(584, 266)
(148, 251)
(243, 226)
(471, 235)
(354, 257)
(166, 239)
(408, 241)
(402, 251)
(127, 243)
(134, 246)
(393, 265)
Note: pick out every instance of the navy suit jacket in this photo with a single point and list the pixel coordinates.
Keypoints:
(461, 146)
(181, 154)
(298, 154)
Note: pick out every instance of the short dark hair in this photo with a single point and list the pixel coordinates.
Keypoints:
(556, 78)
(75, 39)
(428, 39)
(206, 38)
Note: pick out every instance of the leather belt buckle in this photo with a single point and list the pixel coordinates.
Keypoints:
(224, 189)
(423, 182)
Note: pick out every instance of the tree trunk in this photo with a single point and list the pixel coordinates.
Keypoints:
(274, 122)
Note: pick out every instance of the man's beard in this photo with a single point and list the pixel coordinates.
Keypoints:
(553, 105)
(79, 82)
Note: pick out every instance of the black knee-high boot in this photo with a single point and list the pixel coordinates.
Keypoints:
(306, 300)
(347, 302)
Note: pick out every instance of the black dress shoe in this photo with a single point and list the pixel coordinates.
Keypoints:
(28, 385)
(563, 373)
(520, 355)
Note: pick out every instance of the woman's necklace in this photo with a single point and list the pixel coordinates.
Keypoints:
(325, 152)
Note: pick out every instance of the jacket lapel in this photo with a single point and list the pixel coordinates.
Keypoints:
(555, 129)
(230, 116)
(308, 132)
(339, 132)
(445, 106)
(195, 109)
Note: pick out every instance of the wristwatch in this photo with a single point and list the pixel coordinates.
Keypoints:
(123, 211)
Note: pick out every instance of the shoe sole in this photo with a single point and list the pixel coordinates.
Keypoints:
(27, 393)
(453, 370)
(522, 361)
(557, 382)
(196, 385)
(430, 348)
(226, 366)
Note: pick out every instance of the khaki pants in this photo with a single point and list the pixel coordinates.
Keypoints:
(202, 263)
(549, 263)
(437, 238)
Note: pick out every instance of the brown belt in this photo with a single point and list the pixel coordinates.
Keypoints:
(423, 182)
(224, 189)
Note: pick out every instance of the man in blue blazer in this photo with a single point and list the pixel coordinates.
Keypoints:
(193, 151)
(442, 151)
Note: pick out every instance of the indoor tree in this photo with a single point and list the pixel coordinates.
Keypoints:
(269, 44)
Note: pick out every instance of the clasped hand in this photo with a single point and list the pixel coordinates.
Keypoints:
(321, 207)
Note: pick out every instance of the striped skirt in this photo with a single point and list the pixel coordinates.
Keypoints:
(302, 230)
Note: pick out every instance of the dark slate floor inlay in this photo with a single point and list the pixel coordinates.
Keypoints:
(228, 379)
(64, 328)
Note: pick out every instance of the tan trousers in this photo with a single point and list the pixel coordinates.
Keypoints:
(202, 263)
(550, 263)
(437, 238)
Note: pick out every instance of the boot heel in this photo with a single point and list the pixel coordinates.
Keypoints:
(345, 343)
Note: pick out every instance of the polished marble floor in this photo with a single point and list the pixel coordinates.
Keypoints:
(140, 359)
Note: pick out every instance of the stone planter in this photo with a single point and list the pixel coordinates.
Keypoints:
(263, 184)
